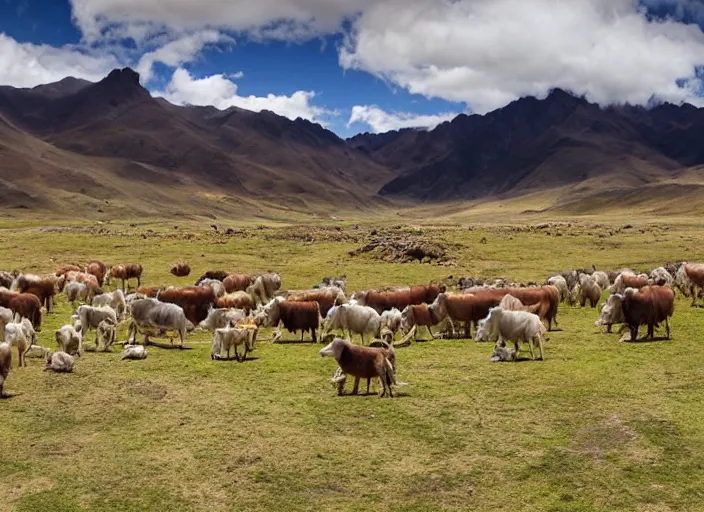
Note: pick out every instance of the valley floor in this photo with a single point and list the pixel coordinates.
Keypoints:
(600, 425)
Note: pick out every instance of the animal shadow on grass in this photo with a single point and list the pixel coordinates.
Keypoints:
(166, 346)
(233, 358)
(372, 393)
(296, 342)
(648, 340)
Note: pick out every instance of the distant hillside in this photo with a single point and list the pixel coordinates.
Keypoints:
(116, 127)
(536, 144)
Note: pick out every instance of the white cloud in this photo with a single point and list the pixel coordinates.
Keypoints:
(283, 19)
(487, 53)
(179, 51)
(28, 65)
(380, 121)
(220, 92)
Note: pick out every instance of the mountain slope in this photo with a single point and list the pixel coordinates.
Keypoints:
(232, 154)
(539, 144)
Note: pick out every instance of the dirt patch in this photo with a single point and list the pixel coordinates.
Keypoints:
(142, 388)
(602, 438)
(406, 248)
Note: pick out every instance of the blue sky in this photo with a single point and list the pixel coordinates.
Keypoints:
(364, 65)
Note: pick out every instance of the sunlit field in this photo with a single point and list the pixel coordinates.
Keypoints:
(599, 425)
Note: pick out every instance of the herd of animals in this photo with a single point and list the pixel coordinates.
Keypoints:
(233, 307)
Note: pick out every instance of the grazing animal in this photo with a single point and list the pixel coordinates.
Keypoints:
(660, 276)
(97, 269)
(690, 279)
(588, 290)
(337, 282)
(26, 305)
(226, 338)
(420, 315)
(195, 300)
(116, 300)
(6, 317)
(511, 303)
(126, 272)
(325, 297)
(391, 319)
(106, 335)
(154, 317)
(602, 279)
(5, 365)
(627, 279)
(59, 362)
(516, 326)
(66, 269)
(649, 306)
(91, 317)
(220, 275)
(353, 318)
(611, 313)
(21, 334)
(77, 292)
(467, 308)
(362, 363)
(44, 287)
(180, 269)
(221, 317)
(69, 340)
(134, 352)
(295, 316)
(560, 283)
(237, 282)
(240, 300)
(215, 285)
(399, 298)
(264, 287)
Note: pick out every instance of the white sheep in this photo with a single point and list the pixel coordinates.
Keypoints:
(353, 319)
(59, 362)
(21, 334)
(77, 292)
(226, 338)
(5, 318)
(91, 317)
(391, 319)
(107, 333)
(116, 300)
(70, 340)
(134, 352)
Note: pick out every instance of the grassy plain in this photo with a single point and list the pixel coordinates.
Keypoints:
(599, 425)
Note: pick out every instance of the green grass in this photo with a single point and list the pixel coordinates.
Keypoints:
(600, 425)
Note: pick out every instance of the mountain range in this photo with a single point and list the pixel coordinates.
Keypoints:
(111, 148)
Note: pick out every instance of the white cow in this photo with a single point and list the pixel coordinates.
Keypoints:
(91, 317)
(116, 300)
(21, 334)
(226, 338)
(353, 319)
(560, 283)
(516, 326)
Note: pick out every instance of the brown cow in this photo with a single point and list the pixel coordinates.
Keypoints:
(420, 315)
(237, 300)
(67, 268)
(399, 298)
(468, 308)
(692, 281)
(127, 272)
(97, 268)
(325, 297)
(548, 296)
(295, 316)
(44, 287)
(237, 282)
(194, 300)
(648, 306)
(26, 305)
(181, 269)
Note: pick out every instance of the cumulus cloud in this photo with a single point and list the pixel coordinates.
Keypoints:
(487, 53)
(380, 121)
(28, 65)
(179, 51)
(222, 93)
(284, 19)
